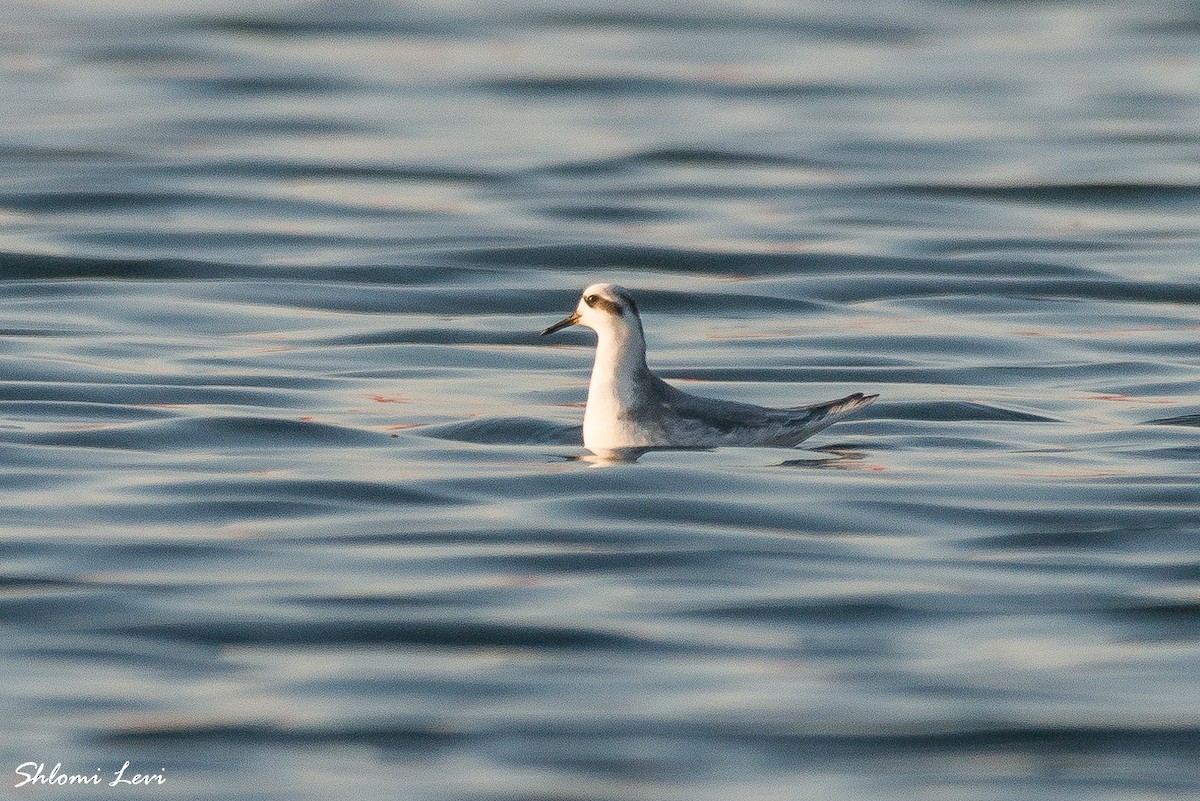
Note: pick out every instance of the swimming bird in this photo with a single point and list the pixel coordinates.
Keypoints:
(628, 407)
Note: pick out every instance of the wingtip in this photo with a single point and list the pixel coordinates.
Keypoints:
(847, 405)
(857, 400)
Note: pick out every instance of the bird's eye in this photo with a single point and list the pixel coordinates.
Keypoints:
(590, 300)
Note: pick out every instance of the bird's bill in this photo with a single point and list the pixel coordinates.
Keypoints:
(569, 320)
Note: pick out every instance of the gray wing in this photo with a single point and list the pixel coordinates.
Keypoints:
(693, 420)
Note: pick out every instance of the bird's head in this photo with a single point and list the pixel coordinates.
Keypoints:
(604, 308)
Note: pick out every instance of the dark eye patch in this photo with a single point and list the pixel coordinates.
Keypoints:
(612, 307)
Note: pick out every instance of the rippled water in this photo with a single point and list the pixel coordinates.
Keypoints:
(292, 507)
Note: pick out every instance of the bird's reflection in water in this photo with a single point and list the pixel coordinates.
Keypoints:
(830, 457)
(615, 456)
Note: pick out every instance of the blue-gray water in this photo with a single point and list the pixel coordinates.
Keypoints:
(289, 508)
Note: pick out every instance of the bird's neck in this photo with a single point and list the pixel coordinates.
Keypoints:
(620, 369)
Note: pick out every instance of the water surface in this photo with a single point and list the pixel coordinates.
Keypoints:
(292, 503)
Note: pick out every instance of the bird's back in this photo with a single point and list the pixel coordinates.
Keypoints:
(679, 419)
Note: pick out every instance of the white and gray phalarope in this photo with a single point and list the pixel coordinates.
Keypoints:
(628, 407)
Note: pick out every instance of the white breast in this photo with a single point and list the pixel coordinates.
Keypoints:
(616, 389)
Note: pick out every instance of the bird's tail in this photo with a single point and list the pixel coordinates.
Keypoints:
(823, 415)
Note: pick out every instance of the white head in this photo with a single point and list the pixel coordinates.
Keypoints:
(607, 309)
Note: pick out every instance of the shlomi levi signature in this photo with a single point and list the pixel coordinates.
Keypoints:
(34, 773)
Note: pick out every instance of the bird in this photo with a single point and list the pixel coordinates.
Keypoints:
(629, 408)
